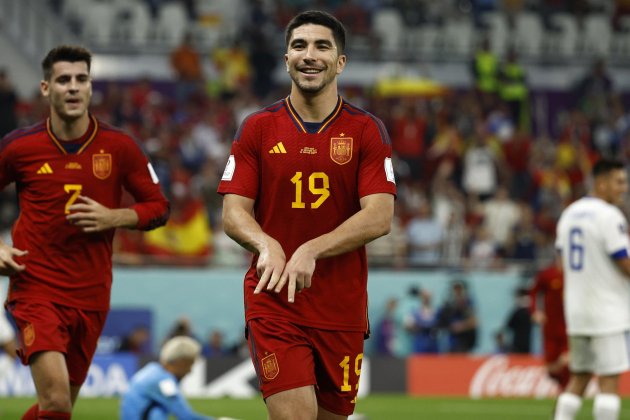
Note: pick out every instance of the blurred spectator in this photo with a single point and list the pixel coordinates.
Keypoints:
(408, 136)
(594, 90)
(516, 156)
(389, 250)
(480, 175)
(513, 89)
(482, 250)
(214, 345)
(403, 340)
(186, 63)
(232, 63)
(524, 239)
(137, 341)
(446, 145)
(485, 72)
(181, 327)
(519, 323)
(422, 323)
(424, 237)
(385, 329)
(8, 104)
(501, 215)
(457, 316)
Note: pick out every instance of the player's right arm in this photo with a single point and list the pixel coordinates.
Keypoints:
(624, 266)
(240, 225)
(8, 264)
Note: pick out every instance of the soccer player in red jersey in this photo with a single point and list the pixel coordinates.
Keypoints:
(308, 183)
(70, 171)
(549, 284)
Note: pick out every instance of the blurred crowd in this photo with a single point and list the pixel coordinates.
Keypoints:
(478, 184)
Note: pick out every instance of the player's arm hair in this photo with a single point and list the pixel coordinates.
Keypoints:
(372, 221)
(240, 225)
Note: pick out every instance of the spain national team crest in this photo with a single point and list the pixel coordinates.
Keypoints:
(341, 149)
(29, 335)
(270, 366)
(102, 165)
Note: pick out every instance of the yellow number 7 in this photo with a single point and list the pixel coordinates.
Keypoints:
(75, 190)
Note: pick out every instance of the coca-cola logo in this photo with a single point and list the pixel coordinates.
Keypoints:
(497, 378)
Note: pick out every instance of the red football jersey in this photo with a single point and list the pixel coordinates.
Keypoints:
(64, 264)
(307, 179)
(549, 282)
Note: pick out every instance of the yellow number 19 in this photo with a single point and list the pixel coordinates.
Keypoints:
(345, 365)
(314, 186)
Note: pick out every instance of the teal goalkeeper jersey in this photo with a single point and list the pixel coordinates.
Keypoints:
(154, 394)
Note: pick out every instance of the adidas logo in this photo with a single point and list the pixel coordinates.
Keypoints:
(45, 169)
(278, 148)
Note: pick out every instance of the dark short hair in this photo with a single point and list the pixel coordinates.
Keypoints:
(70, 53)
(605, 166)
(317, 17)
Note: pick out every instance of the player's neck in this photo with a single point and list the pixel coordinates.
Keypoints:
(66, 130)
(314, 108)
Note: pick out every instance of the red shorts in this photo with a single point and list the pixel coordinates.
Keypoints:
(554, 346)
(288, 356)
(46, 326)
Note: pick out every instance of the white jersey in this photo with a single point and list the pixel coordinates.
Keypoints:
(7, 333)
(591, 233)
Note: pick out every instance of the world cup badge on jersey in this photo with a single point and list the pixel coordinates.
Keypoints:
(270, 366)
(341, 149)
(29, 335)
(102, 165)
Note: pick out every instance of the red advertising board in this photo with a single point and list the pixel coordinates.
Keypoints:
(487, 376)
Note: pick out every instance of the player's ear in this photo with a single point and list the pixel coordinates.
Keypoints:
(44, 88)
(286, 61)
(341, 63)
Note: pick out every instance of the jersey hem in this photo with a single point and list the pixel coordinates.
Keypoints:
(56, 302)
(306, 323)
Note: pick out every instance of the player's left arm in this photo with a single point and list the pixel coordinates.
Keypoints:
(151, 209)
(92, 216)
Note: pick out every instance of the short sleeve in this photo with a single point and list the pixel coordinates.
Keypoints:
(376, 172)
(241, 174)
(615, 230)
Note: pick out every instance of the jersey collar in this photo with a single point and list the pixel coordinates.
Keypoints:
(321, 126)
(89, 136)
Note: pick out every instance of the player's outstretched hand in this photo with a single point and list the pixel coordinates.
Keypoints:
(90, 215)
(8, 265)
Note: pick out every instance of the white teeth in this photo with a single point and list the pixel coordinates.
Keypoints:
(310, 71)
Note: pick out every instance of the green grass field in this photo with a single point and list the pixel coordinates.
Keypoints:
(374, 407)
